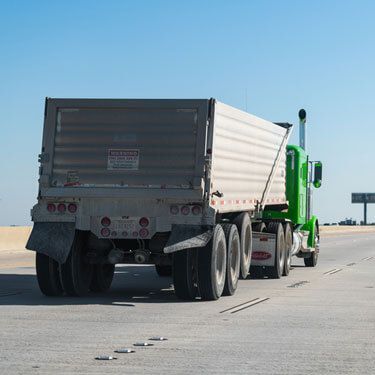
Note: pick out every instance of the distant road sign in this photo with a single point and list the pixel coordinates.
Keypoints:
(363, 197)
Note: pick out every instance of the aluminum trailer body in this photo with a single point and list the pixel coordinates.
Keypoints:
(137, 180)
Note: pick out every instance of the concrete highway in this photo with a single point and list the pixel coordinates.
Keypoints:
(315, 321)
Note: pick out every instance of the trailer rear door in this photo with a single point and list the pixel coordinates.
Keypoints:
(126, 143)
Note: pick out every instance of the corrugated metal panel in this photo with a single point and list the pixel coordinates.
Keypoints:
(244, 150)
(143, 146)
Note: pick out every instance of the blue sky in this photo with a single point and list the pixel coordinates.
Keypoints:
(285, 55)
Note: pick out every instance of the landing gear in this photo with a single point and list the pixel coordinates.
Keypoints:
(76, 272)
(48, 275)
(312, 260)
(243, 224)
(233, 258)
(276, 271)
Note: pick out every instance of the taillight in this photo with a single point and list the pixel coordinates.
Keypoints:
(125, 233)
(143, 222)
(114, 233)
(105, 232)
(51, 207)
(61, 207)
(135, 234)
(196, 210)
(174, 210)
(106, 221)
(72, 208)
(185, 210)
(143, 232)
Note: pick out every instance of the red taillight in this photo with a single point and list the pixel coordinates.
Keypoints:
(185, 210)
(106, 222)
(51, 207)
(105, 232)
(143, 222)
(174, 210)
(72, 208)
(143, 232)
(61, 207)
(196, 210)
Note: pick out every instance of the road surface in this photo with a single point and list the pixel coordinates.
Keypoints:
(315, 321)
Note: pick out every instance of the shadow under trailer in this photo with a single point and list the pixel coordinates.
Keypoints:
(204, 191)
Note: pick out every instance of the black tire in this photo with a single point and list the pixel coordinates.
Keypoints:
(312, 260)
(184, 272)
(76, 273)
(276, 271)
(233, 259)
(163, 271)
(48, 275)
(257, 272)
(212, 262)
(102, 277)
(288, 234)
(259, 227)
(243, 224)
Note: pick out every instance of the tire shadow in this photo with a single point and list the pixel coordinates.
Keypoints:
(131, 284)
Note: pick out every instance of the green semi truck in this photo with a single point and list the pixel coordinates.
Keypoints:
(205, 192)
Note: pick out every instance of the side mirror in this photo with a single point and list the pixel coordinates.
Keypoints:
(318, 169)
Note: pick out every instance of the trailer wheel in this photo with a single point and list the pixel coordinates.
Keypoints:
(163, 271)
(102, 277)
(212, 265)
(76, 273)
(48, 275)
(259, 227)
(313, 259)
(184, 272)
(243, 224)
(257, 272)
(233, 258)
(288, 248)
(276, 270)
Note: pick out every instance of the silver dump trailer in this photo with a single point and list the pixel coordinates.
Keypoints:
(176, 183)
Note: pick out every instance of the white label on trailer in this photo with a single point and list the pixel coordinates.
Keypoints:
(123, 160)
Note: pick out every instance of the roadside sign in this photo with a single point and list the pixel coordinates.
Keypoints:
(363, 197)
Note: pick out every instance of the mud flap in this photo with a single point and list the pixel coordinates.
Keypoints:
(52, 239)
(186, 237)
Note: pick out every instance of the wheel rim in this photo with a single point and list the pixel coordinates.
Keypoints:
(234, 264)
(317, 243)
(247, 245)
(281, 255)
(220, 263)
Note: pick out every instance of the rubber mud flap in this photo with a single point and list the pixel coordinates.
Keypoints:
(52, 239)
(187, 237)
